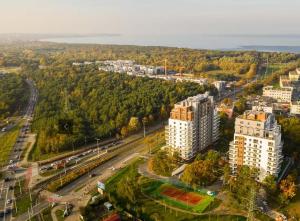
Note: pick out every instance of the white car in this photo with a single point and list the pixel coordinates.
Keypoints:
(9, 201)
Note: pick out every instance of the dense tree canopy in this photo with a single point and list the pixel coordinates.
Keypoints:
(14, 94)
(203, 171)
(100, 104)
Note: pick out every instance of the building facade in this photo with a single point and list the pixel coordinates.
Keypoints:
(220, 85)
(295, 108)
(257, 143)
(193, 125)
(284, 95)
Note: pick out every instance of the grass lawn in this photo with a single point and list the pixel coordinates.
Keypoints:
(150, 210)
(271, 69)
(59, 215)
(22, 199)
(7, 142)
(45, 215)
(155, 211)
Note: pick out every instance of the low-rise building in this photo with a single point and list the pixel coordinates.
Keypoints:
(220, 85)
(257, 143)
(291, 80)
(280, 94)
(295, 108)
(294, 75)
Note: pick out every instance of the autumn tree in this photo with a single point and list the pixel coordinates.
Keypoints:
(288, 188)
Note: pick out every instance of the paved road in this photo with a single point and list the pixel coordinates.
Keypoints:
(11, 170)
(104, 171)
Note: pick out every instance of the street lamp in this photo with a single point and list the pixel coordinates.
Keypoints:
(98, 145)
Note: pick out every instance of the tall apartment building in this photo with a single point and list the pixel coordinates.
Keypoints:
(280, 94)
(193, 125)
(257, 143)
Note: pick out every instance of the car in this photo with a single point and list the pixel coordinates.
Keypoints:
(265, 203)
(2, 213)
(211, 193)
(3, 129)
(9, 201)
(92, 175)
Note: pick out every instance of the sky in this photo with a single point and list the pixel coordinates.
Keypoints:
(155, 17)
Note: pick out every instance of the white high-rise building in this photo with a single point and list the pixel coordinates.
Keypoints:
(257, 143)
(193, 125)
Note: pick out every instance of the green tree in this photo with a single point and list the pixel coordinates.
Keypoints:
(270, 183)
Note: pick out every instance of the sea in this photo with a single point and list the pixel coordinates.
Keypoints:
(270, 43)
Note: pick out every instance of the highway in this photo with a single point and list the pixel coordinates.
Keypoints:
(10, 171)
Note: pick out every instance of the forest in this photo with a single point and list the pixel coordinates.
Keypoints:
(105, 104)
(14, 94)
(100, 105)
(206, 63)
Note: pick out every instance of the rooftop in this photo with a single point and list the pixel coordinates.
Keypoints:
(254, 115)
(278, 88)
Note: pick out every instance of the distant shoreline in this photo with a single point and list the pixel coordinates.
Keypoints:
(222, 43)
(267, 43)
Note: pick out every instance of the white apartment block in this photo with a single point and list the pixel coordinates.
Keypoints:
(295, 108)
(193, 125)
(257, 143)
(220, 85)
(283, 95)
(294, 75)
(290, 80)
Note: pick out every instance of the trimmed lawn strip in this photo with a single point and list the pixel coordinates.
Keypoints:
(116, 177)
(23, 199)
